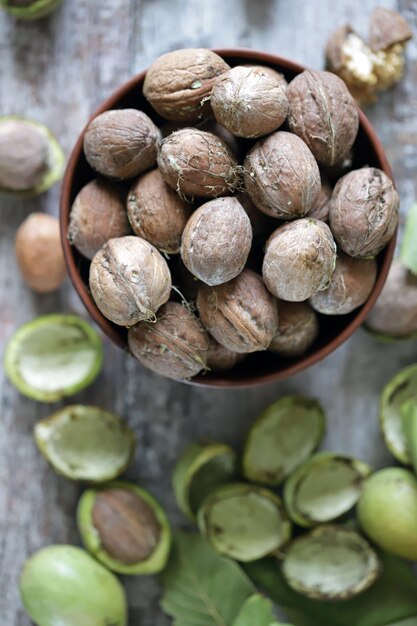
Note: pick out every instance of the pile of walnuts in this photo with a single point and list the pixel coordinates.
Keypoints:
(237, 213)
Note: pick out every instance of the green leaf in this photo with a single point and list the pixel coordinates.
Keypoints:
(392, 601)
(202, 588)
(257, 611)
(409, 243)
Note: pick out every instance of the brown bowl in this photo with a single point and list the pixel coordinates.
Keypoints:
(259, 367)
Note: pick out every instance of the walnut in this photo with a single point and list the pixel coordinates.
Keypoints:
(249, 102)
(121, 143)
(241, 315)
(98, 214)
(321, 207)
(323, 113)
(350, 286)
(271, 72)
(299, 260)
(196, 163)
(157, 213)
(364, 211)
(388, 28)
(174, 346)
(216, 241)
(178, 84)
(262, 224)
(298, 328)
(129, 280)
(24, 155)
(220, 358)
(282, 177)
(39, 253)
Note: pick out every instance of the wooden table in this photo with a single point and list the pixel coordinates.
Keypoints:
(57, 71)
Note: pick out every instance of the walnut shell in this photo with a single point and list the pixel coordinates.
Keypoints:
(157, 213)
(364, 211)
(350, 286)
(241, 314)
(39, 253)
(262, 224)
(24, 155)
(129, 280)
(217, 240)
(388, 28)
(174, 346)
(98, 214)
(299, 260)
(298, 328)
(282, 177)
(268, 70)
(249, 102)
(196, 163)
(321, 207)
(219, 358)
(324, 114)
(121, 143)
(395, 312)
(178, 83)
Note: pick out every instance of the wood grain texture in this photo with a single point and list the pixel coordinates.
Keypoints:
(57, 71)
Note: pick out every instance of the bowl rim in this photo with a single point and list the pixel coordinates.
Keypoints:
(220, 380)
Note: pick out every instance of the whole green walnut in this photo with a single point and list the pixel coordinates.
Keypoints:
(121, 143)
(299, 260)
(395, 313)
(241, 314)
(217, 240)
(157, 213)
(350, 286)
(174, 346)
(97, 214)
(364, 211)
(129, 280)
(64, 585)
(387, 511)
(282, 177)
(249, 102)
(178, 84)
(323, 114)
(197, 163)
(298, 328)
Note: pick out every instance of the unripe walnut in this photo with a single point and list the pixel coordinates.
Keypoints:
(321, 207)
(298, 328)
(121, 143)
(300, 258)
(241, 314)
(196, 163)
(156, 212)
(178, 83)
(129, 280)
(98, 214)
(216, 241)
(39, 253)
(220, 358)
(364, 211)
(174, 346)
(350, 286)
(282, 177)
(324, 114)
(249, 102)
(24, 154)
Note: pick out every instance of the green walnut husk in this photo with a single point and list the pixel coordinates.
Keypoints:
(400, 389)
(387, 511)
(408, 245)
(282, 437)
(331, 563)
(324, 488)
(199, 471)
(53, 356)
(409, 424)
(64, 586)
(244, 522)
(85, 443)
(56, 158)
(33, 11)
(119, 523)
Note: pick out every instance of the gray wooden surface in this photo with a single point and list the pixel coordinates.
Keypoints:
(58, 71)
